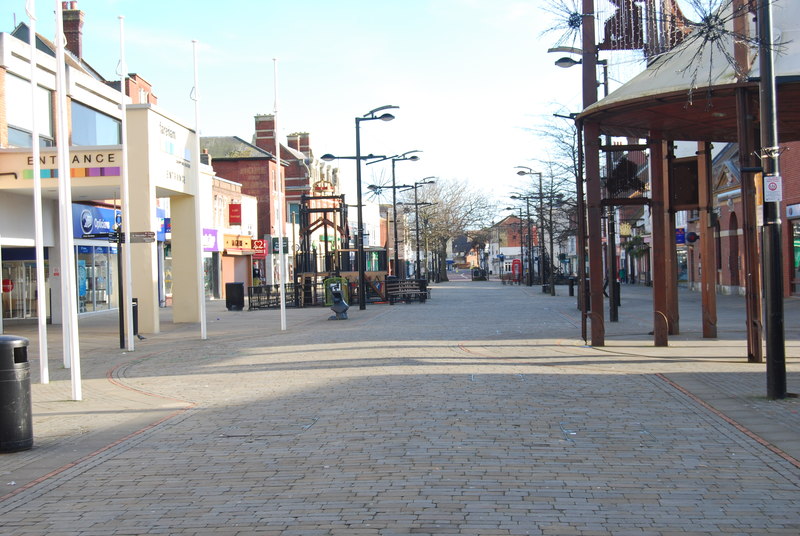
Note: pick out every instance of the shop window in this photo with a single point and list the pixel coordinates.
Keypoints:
(90, 127)
(20, 123)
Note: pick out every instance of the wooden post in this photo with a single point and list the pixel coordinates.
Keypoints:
(708, 246)
(752, 262)
(591, 142)
(659, 265)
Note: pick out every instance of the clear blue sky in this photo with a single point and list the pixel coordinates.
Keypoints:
(470, 76)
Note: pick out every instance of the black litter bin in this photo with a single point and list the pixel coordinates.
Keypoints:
(16, 424)
(135, 315)
(234, 296)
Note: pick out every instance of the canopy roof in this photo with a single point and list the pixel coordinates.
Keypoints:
(689, 93)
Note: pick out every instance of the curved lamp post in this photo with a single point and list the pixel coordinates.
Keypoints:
(540, 197)
(521, 250)
(394, 187)
(369, 116)
(417, 204)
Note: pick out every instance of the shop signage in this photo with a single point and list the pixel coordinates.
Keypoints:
(260, 248)
(235, 214)
(88, 219)
(210, 240)
(276, 244)
(238, 245)
(680, 235)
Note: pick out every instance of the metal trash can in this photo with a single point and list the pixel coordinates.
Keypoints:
(135, 315)
(16, 422)
(234, 296)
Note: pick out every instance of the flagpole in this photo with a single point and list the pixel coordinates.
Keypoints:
(282, 268)
(124, 245)
(198, 222)
(41, 298)
(69, 303)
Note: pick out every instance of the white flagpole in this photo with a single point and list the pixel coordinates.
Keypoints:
(198, 220)
(41, 297)
(281, 202)
(69, 302)
(124, 248)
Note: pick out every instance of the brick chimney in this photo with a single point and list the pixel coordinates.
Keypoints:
(73, 27)
(265, 132)
(304, 144)
(294, 141)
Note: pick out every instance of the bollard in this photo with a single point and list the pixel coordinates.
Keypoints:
(571, 286)
(16, 428)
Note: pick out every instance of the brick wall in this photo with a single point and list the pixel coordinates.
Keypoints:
(253, 174)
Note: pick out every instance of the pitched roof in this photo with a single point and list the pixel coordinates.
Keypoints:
(232, 147)
(22, 32)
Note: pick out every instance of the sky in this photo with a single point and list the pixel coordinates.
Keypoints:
(472, 78)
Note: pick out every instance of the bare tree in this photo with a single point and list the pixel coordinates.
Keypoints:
(448, 208)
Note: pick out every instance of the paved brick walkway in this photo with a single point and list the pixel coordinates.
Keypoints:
(480, 412)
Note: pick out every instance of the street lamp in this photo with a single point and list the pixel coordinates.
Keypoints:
(529, 245)
(417, 204)
(396, 158)
(611, 245)
(369, 116)
(521, 251)
(540, 197)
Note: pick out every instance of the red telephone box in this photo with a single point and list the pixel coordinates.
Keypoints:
(516, 269)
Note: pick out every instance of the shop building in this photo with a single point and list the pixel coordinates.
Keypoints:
(162, 171)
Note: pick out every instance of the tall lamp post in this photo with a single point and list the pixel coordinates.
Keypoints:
(529, 245)
(396, 158)
(540, 197)
(611, 246)
(369, 116)
(417, 204)
(521, 250)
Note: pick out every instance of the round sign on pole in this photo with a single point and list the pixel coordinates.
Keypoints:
(8, 285)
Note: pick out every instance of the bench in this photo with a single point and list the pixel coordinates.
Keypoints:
(407, 290)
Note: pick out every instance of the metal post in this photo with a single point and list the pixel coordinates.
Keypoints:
(362, 292)
(772, 254)
(541, 234)
(394, 210)
(529, 280)
(417, 274)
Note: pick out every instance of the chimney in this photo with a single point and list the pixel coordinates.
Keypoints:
(294, 141)
(265, 132)
(73, 27)
(304, 144)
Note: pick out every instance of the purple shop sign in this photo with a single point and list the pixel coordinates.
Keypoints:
(211, 240)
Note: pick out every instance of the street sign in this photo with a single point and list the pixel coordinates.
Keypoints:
(143, 234)
(141, 239)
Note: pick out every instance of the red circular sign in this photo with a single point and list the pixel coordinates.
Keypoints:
(8, 285)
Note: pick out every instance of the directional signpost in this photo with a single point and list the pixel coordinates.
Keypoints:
(143, 236)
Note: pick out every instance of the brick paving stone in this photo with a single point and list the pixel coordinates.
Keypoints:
(500, 423)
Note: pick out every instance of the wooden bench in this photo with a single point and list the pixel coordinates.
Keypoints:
(407, 290)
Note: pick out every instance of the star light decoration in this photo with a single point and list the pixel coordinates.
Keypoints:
(568, 19)
(710, 34)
